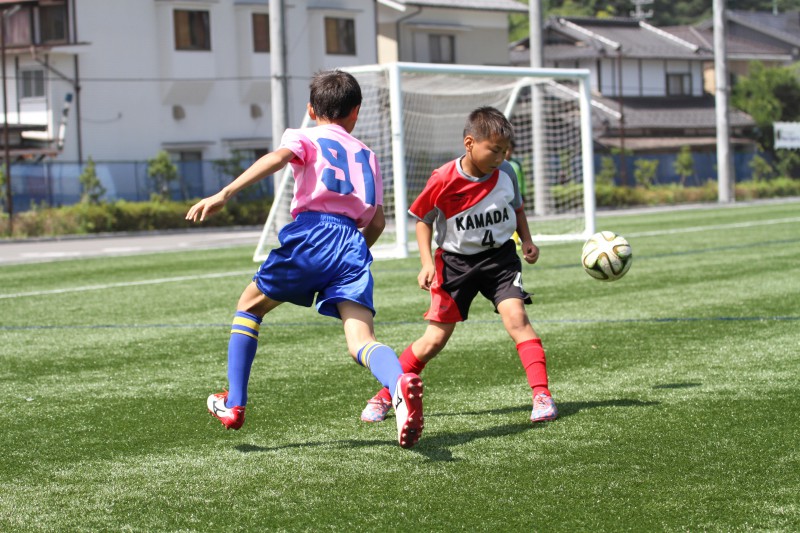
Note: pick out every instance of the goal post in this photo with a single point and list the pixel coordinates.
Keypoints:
(413, 116)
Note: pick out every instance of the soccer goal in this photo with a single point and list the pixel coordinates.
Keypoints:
(413, 117)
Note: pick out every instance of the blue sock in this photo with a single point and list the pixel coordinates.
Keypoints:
(382, 362)
(241, 352)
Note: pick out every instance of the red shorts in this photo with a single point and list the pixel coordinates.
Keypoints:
(496, 274)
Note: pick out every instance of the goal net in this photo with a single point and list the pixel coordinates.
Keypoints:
(413, 116)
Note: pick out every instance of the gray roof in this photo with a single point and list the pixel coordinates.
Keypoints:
(736, 46)
(783, 26)
(607, 37)
(672, 113)
(479, 5)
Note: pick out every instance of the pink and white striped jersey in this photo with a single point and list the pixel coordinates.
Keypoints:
(469, 215)
(333, 173)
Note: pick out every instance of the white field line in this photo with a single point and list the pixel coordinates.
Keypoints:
(714, 227)
(126, 284)
(243, 272)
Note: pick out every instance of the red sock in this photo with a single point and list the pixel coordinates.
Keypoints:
(409, 363)
(532, 356)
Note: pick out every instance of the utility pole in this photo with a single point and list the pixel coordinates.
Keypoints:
(279, 92)
(623, 165)
(725, 178)
(536, 47)
(6, 149)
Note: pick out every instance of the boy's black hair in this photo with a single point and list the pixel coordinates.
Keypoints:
(334, 94)
(488, 123)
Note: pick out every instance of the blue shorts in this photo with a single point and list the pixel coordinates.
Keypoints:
(320, 254)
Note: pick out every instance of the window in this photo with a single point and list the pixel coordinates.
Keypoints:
(31, 83)
(442, 48)
(679, 85)
(340, 36)
(19, 27)
(46, 23)
(53, 23)
(260, 32)
(192, 30)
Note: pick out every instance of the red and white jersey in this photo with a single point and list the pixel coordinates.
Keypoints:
(469, 215)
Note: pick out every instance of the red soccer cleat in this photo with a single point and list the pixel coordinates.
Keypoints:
(231, 417)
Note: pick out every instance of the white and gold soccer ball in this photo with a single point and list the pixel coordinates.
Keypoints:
(606, 256)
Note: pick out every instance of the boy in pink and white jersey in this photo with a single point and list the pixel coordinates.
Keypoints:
(473, 206)
(324, 253)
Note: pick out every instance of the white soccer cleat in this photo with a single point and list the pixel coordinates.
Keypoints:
(231, 417)
(407, 403)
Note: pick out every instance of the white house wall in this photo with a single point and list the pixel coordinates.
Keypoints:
(481, 37)
(646, 77)
(134, 83)
(653, 73)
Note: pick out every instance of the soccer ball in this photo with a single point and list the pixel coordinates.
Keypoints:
(606, 256)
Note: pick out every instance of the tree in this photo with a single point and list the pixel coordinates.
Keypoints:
(684, 164)
(91, 187)
(761, 168)
(608, 171)
(769, 95)
(162, 171)
(645, 172)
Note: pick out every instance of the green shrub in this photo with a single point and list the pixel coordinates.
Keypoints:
(92, 189)
(645, 172)
(122, 216)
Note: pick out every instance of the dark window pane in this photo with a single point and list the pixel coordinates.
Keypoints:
(340, 36)
(53, 23)
(192, 30)
(260, 32)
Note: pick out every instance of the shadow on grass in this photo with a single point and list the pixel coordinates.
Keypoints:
(439, 447)
(687, 385)
(564, 408)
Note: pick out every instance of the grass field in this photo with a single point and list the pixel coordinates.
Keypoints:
(677, 388)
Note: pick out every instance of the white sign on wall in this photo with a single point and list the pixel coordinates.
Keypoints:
(787, 135)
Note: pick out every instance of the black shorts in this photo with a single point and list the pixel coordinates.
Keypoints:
(496, 274)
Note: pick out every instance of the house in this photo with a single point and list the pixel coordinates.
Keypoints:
(189, 77)
(120, 81)
(193, 76)
(772, 46)
(471, 32)
(650, 94)
(775, 30)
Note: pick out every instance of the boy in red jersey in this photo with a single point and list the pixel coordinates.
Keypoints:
(474, 205)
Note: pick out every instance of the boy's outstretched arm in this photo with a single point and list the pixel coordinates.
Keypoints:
(263, 167)
(375, 227)
(529, 250)
(428, 269)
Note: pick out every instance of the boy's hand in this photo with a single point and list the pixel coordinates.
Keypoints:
(207, 207)
(425, 277)
(530, 252)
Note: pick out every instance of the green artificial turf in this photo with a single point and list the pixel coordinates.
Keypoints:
(677, 388)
